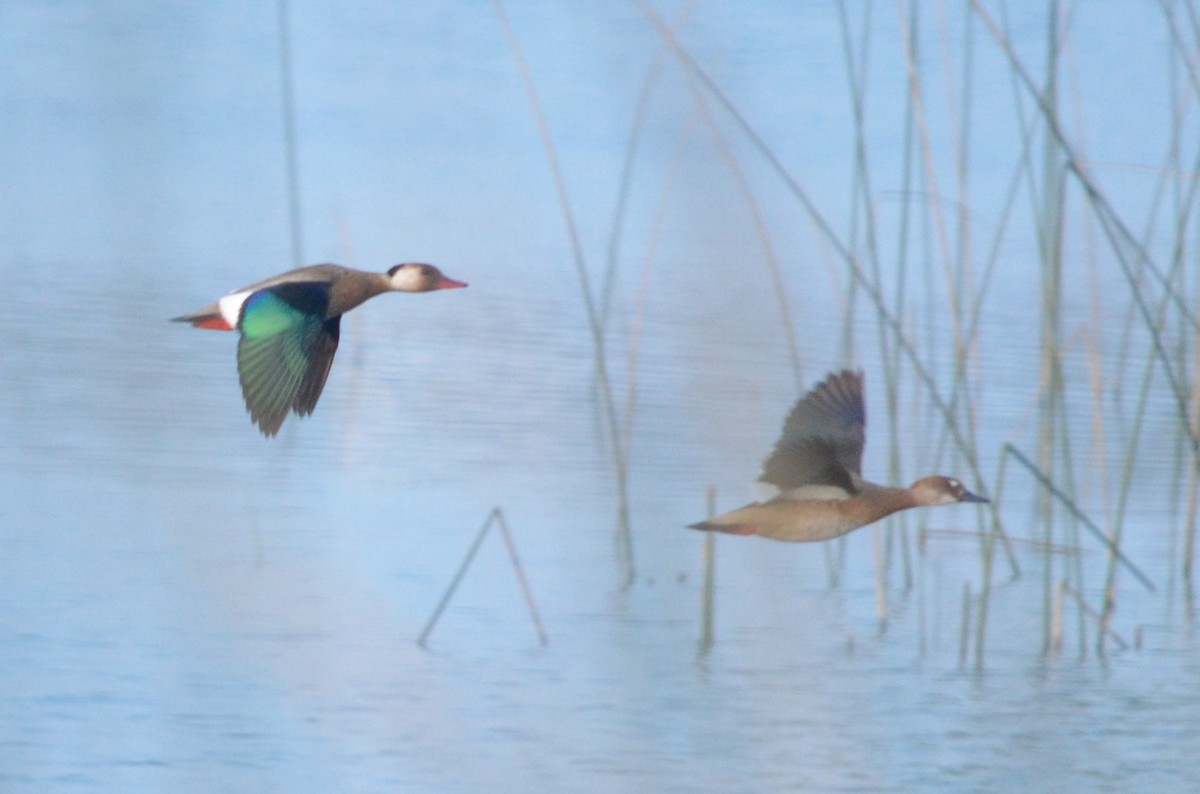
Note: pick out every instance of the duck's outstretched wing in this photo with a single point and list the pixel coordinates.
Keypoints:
(286, 350)
(822, 438)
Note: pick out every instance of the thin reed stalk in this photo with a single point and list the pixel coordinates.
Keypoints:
(1189, 536)
(965, 297)
(454, 582)
(708, 601)
(881, 604)
(288, 97)
(1053, 439)
(1105, 629)
(519, 570)
(624, 536)
(495, 517)
(987, 560)
(1056, 622)
(1069, 504)
(964, 629)
(856, 59)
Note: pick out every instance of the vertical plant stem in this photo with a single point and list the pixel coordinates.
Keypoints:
(964, 631)
(1050, 224)
(881, 605)
(624, 537)
(707, 637)
(289, 132)
(1056, 618)
(989, 554)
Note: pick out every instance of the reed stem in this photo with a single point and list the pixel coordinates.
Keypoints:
(496, 516)
(288, 96)
(707, 637)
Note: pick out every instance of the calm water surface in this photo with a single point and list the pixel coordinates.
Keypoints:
(185, 606)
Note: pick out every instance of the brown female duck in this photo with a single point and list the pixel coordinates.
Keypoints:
(816, 467)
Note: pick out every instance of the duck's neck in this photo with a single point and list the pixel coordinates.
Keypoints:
(880, 501)
(348, 293)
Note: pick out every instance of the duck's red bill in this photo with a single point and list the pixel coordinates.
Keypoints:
(449, 283)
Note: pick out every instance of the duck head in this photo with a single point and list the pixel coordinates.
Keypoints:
(419, 277)
(938, 490)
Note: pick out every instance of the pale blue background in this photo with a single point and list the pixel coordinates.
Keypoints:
(185, 606)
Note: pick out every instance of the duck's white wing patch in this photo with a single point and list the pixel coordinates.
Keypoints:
(816, 492)
(231, 306)
(765, 492)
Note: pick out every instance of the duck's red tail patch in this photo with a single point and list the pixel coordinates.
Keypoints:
(216, 323)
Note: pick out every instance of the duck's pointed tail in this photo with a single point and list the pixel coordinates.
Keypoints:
(728, 529)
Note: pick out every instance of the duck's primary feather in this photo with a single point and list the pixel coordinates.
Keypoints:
(823, 436)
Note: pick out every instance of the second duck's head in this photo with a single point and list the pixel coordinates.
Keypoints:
(942, 491)
(419, 277)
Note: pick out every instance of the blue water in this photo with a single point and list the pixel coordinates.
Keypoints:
(186, 606)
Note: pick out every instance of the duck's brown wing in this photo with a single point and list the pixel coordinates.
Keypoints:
(822, 438)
